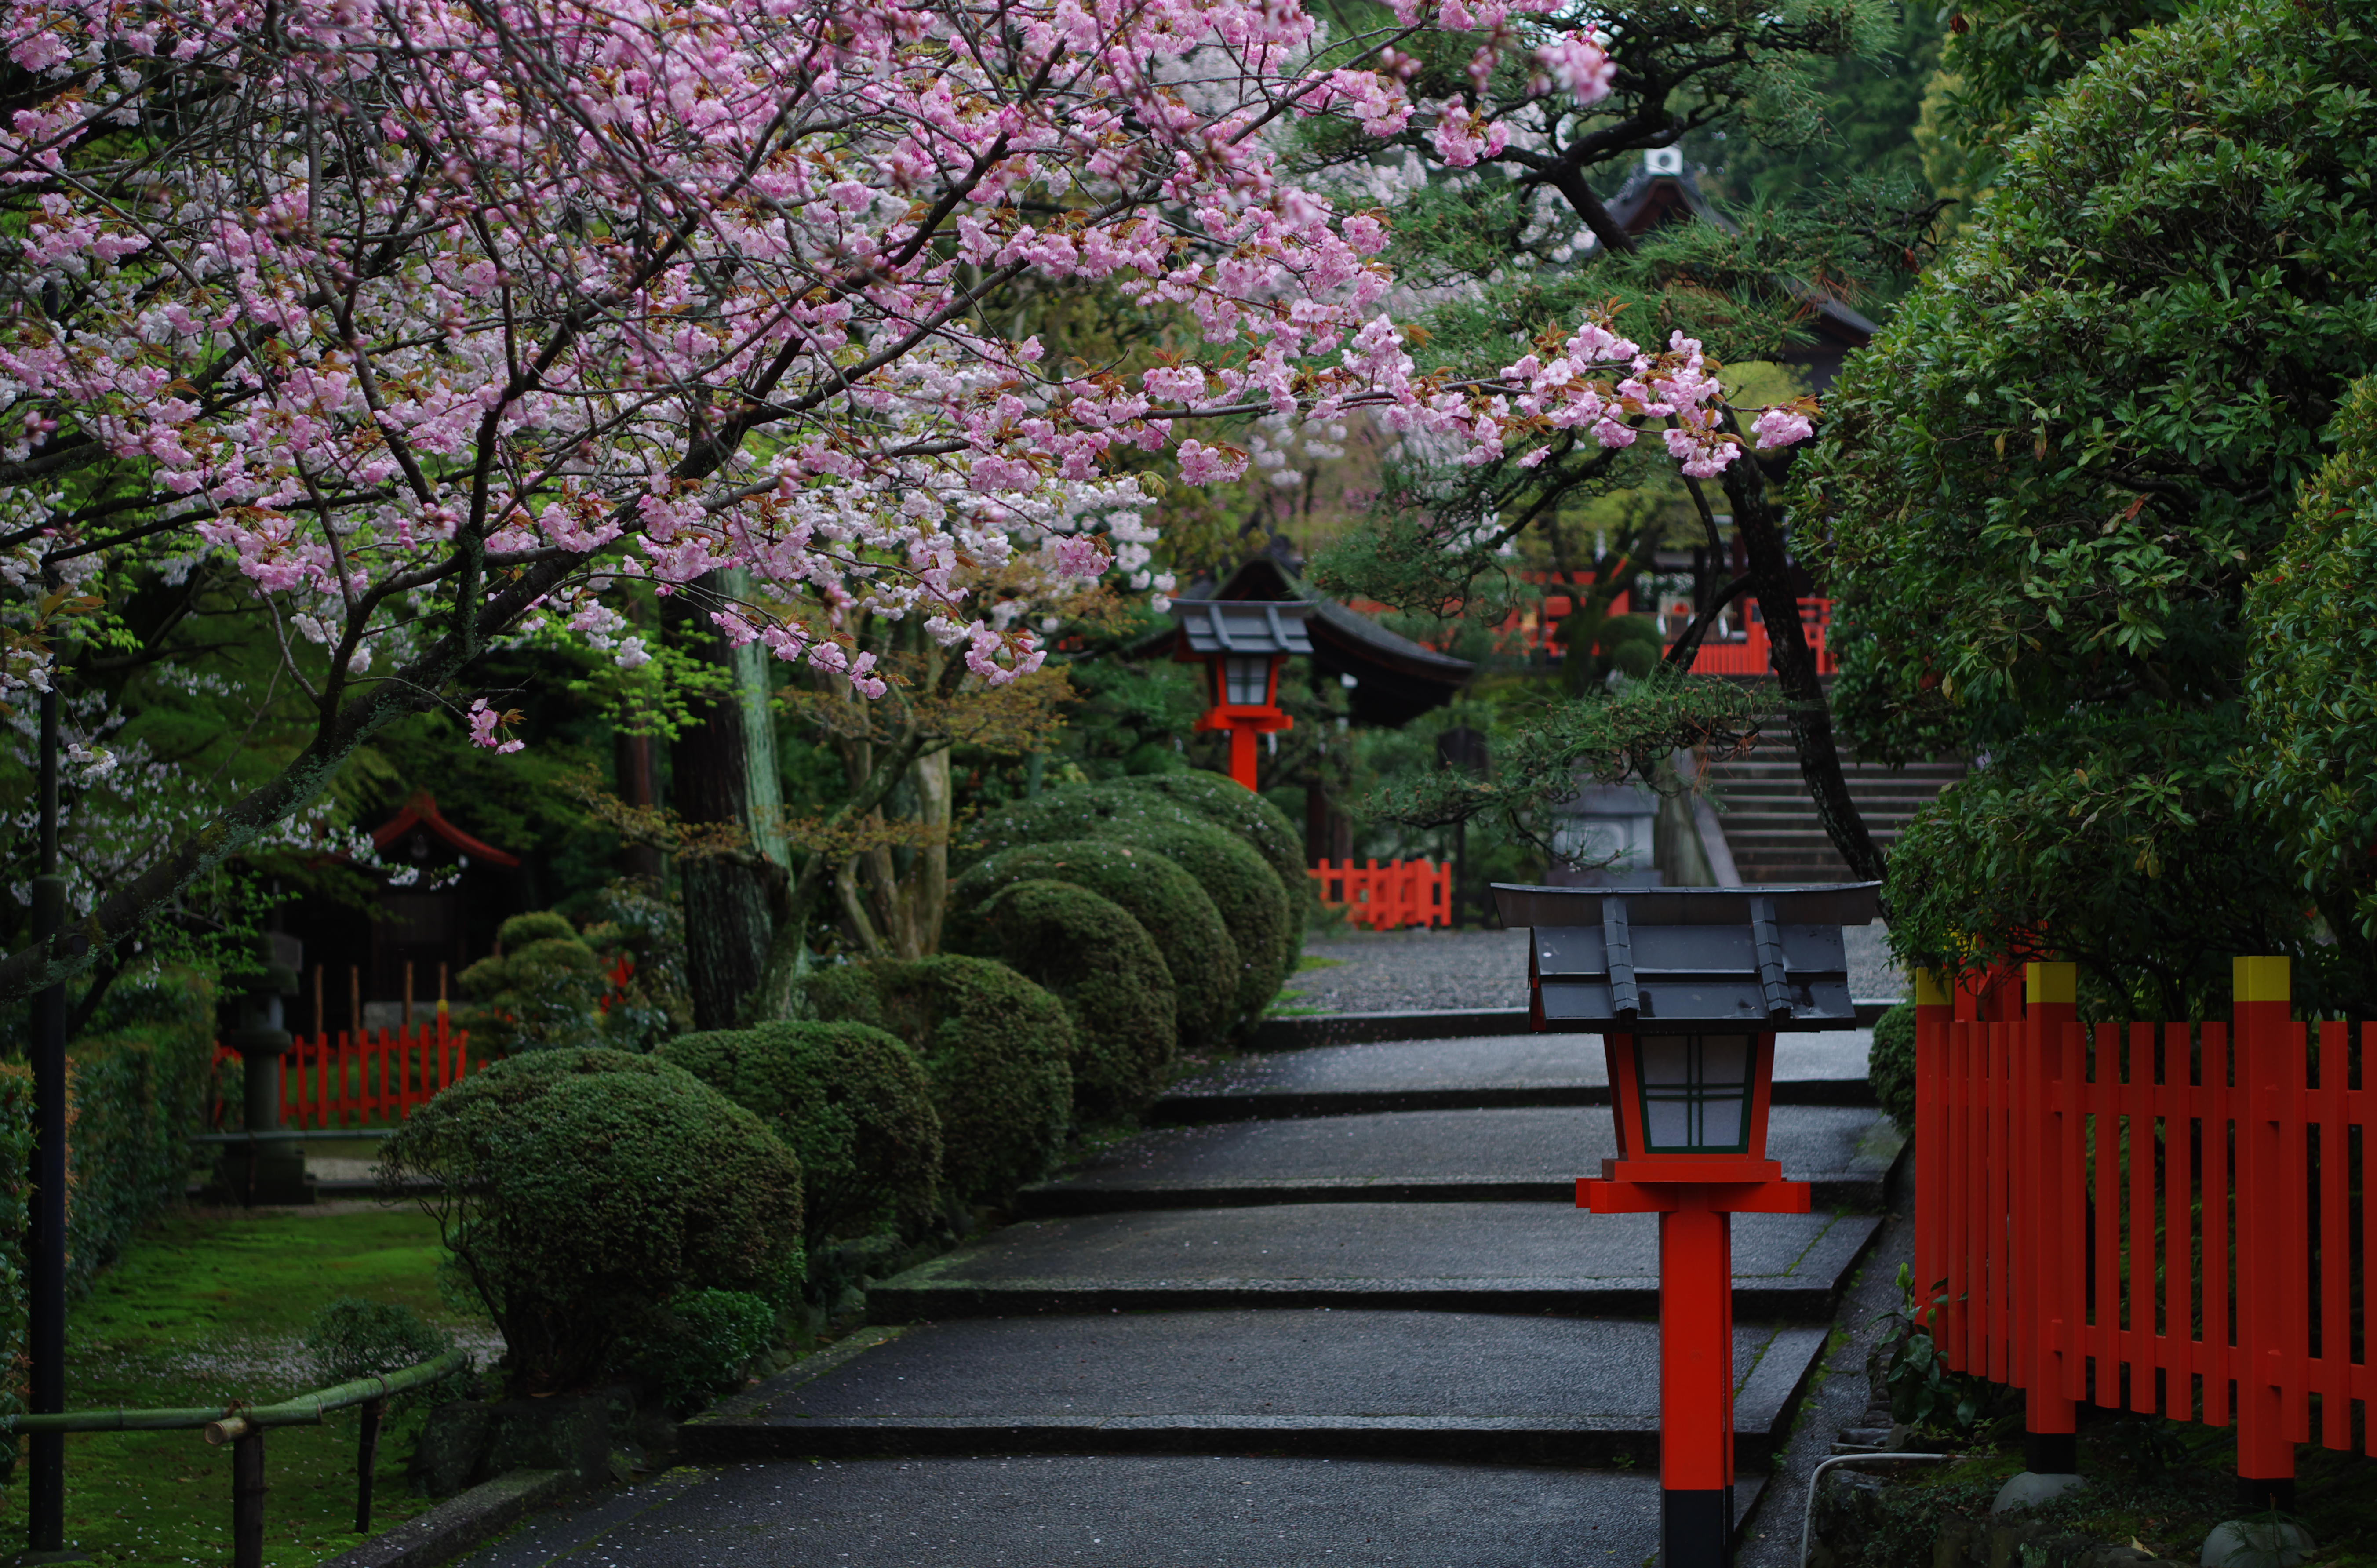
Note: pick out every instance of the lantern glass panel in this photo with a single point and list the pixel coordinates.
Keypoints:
(1247, 681)
(1695, 1093)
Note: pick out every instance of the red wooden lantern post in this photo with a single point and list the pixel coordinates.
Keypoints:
(1242, 645)
(1687, 987)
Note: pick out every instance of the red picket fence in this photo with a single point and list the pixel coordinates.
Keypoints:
(1389, 897)
(2174, 1217)
(370, 1080)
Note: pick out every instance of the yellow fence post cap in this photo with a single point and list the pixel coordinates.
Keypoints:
(1931, 989)
(2265, 979)
(2047, 983)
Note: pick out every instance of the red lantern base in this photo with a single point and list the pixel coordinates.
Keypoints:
(1695, 1202)
(1244, 724)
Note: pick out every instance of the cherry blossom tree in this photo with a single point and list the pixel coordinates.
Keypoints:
(444, 318)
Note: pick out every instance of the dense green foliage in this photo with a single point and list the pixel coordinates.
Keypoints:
(1266, 829)
(2048, 483)
(2313, 682)
(1266, 926)
(1890, 1064)
(2004, 61)
(701, 1343)
(138, 1091)
(540, 992)
(578, 1190)
(1103, 966)
(1865, 106)
(352, 1338)
(1166, 900)
(854, 1104)
(996, 1046)
(627, 919)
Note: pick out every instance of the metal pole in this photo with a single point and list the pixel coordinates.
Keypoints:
(46, 1250)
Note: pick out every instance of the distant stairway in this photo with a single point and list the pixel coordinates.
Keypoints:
(1770, 821)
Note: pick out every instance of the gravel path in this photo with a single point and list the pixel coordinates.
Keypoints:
(1423, 970)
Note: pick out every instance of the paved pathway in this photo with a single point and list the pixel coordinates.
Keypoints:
(1277, 1336)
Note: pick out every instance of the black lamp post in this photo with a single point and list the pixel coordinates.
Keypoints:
(45, 1260)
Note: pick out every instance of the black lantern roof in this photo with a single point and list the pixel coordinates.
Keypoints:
(1759, 958)
(1244, 626)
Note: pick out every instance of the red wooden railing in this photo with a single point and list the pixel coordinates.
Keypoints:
(1389, 897)
(2156, 1216)
(369, 1080)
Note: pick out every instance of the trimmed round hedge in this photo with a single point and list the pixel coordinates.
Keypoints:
(1166, 901)
(1890, 1065)
(1263, 911)
(996, 1046)
(1104, 967)
(851, 1100)
(579, 1190)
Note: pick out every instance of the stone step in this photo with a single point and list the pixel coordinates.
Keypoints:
(1093, 1511)
(1464, 1387)
(1531, 1257)
(1475, 1074)
(1527, 1154)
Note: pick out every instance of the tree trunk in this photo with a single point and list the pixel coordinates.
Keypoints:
(1810, 712)
(723, 768)
(631, 757)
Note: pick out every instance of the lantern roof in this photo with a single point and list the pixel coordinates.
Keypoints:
(1689, 959)
(1244, 626)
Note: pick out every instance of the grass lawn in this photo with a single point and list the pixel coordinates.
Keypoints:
(206, 1306)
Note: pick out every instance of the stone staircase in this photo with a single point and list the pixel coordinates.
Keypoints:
(1769, 822)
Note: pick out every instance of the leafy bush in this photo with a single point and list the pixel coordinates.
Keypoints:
(627, 918)
(353, 1338)
(1164, 900)
(1104, 967)
(136, 1095)
(1221, 801)
(541, 993)
(1171, 813)
(702, 1342)
(579, 1190)
(1890, 1067)
(852, 1101)
(996, 1046)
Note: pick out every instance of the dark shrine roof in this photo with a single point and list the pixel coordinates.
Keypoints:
(1395, 679)
(422, 812)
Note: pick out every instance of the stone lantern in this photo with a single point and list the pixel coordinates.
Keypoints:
(265, 1169)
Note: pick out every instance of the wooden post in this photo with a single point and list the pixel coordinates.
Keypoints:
(2046, 1327)
(355, 999)
(1695, 1382)
(248, 1490)
(2269, 1286)
(1935, 1008)
(367, 1457)
(408, 995)
(317, 1004)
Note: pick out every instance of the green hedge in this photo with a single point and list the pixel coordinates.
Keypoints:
(1166, 900)
(1104, 967)
(996, 1045)
(581, 1191)
(1177, 814)
(1890, 1065)
(852, 1101)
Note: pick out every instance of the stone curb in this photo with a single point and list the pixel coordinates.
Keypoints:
(1372, 1028)
(459, 1523)
(1859, 1190)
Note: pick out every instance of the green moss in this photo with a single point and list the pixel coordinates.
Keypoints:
(851, 1100)
(996, 1046)
(1104, 967)
(202, 1309)
(581, 1189)
(1164, 898)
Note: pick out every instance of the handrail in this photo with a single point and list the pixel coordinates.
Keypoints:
(224, 1422)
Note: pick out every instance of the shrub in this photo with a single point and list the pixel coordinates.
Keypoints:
(1252, 904)
(353, 1338)
(136, 1092)
(579, 1190)
(996, 1046)
(702, 1342)
(1104, 967)
(625, 918)
(852, 1101)
(1891, 1065)
(1166, 900)
(541, 994)
(1242, 812)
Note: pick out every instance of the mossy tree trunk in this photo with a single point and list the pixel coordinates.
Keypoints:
(722, 769)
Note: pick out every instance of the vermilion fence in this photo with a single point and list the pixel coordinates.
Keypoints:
(1384, 898)
(2170, 1217)
(365, 1080)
